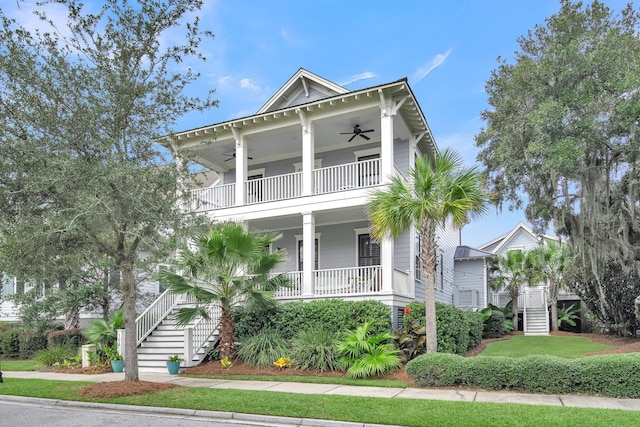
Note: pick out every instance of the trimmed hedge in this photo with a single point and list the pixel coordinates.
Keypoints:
(333, 315)
(66, 337)
(494, 326)
(458, 330)
(614, 375)
(30, 342)
(10, 342)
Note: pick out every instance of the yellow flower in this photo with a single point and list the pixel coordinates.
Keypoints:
(226, 363)
(283, 362)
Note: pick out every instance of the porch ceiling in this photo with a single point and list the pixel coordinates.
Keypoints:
(335, 216)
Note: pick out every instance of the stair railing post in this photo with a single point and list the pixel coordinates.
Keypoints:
(188, 345)
(120, 340)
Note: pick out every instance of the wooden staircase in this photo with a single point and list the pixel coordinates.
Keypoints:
(536, 314)
(161, 337)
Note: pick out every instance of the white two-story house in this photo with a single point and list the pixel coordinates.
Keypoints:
(304, 166)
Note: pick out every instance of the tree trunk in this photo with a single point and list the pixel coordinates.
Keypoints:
(514, 309)
(129, 296)
(428, 259)
(227, 334)
(554, 313)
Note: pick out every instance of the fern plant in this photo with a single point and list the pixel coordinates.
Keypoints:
(365, 355)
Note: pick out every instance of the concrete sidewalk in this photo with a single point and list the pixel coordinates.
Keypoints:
(345, 390)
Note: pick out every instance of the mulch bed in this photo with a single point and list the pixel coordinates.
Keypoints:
(129, 388)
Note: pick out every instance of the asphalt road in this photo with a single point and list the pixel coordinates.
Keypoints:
(29, 414)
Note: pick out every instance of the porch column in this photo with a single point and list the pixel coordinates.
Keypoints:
(388, 111)
(386, 261)
(308, 155)
(308, 253)
(241, 167)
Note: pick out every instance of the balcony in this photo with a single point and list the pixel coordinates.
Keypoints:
(331, 179)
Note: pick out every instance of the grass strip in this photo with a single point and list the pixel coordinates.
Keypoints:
(409, 412)
(561, 346)
(19, 365)
(309, 379)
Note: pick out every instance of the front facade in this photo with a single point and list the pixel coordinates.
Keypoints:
(304, 166)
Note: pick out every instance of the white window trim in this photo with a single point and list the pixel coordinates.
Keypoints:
(317, 164)
(256, 172)
(367, 152)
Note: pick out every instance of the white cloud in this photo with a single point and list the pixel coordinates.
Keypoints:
(248, 84)
(357, 77)
(223, 81)
(434, 63)
(290, 38)
(463, 143)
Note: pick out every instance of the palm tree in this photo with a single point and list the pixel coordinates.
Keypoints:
(435, 191)
(549, 262)
(511, 272)
(227, 267)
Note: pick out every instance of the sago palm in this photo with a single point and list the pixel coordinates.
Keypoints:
(228, 266)
(436, 191)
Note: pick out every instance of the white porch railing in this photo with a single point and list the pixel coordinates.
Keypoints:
(206, 199)
(154, 314)
(341, 281)
(345, 177)
(197, 336)
(295, 289)
(273, 188)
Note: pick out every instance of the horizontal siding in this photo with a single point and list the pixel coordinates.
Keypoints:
(469, 275)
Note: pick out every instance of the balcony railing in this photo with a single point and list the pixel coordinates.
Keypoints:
(274, 188)
(289, 186)
(346, 177)
(206, 199)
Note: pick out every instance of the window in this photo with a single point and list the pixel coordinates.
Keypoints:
(418, 267)
(301, 255)
(441, 265)
(368, 251)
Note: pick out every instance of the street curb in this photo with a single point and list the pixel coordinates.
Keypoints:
(195, 413)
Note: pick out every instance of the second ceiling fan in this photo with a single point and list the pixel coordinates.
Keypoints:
(358, 132)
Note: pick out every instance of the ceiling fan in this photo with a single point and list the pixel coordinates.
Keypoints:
(357, 132)
(233, 156)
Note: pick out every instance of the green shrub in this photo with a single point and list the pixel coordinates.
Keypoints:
(476, 325)
(30, 342)
(315, 349)
(334, 315)
(435, 370)
(452, 325)
(56, 355)
(72, 337)
(10, 342)
(494, 326)
(613, 375)
(263, 349)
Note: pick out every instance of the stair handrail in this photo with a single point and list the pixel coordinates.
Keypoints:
(154, 314)
(197, 335)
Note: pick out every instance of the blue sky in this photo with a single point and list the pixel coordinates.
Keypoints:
(447, 50)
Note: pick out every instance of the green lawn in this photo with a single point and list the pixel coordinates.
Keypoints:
(19, 365)
(562, 346)
(407, 412)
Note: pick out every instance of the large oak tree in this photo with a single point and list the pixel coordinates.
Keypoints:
(81, 105)
(562, 135)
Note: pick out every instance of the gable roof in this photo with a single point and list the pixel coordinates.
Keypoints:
(467, 252)
(302, 87)
(500, 242)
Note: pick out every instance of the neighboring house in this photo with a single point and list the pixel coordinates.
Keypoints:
(473, 279)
